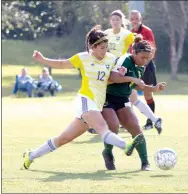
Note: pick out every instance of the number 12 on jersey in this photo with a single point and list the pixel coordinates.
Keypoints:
(101, 75)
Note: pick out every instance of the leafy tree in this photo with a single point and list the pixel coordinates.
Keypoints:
(169, 19)
(28, 19)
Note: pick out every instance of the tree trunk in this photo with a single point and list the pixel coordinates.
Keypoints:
(174, 67)
(176, 46)
(173, 55)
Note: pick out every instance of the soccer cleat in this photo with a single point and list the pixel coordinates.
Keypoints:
(109, 161)
(91, 130)
(27, 161)
(148, 126)
(133, 143)
(158, 126)
(146, 167)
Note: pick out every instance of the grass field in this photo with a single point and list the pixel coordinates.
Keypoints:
(78, 166)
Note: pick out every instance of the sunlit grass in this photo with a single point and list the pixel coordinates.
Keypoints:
(79, 167)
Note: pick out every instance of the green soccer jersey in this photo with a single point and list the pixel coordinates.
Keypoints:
(125, 89)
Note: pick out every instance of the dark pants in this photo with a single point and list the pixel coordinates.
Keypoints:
(149, 76)
(42, 89)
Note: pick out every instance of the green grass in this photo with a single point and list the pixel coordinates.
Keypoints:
(78, 166)
(20, 52)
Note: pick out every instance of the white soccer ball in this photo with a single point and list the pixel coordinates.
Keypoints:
(165, 158)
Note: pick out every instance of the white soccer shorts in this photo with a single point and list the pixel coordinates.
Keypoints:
(84, 104)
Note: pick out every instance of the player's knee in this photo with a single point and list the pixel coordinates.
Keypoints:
(134, 124)
(114, 127)
(101, 125)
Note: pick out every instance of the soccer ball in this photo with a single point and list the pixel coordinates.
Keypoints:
(165, 158)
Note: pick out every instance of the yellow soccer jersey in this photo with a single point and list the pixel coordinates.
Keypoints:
(118, 44)
(95, 75)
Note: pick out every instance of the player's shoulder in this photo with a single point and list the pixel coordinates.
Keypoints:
(107, 31)
(110, 55)
(126, 58)
(125, 31)
(83, 55)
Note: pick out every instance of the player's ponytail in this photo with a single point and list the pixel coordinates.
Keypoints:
(95, 36)
(138, 38)
(141, 45)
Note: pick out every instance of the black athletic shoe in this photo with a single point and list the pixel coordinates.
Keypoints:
(109, 161)
(148, 125)
(158, 126)
(91, 130)
(146, 167)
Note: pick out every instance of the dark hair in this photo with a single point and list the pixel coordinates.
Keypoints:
(141, 45)
(95, 36)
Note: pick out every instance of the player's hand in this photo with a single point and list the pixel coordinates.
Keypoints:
(160, 87)
(122, 70)
(38, 56)
(140, 83)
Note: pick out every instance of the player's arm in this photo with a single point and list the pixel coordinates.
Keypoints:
(128, 42)
(117, 78)
(54, 63)
(159, 87)
(117, 74)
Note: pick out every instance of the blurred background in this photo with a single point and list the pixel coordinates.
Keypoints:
(58, 29)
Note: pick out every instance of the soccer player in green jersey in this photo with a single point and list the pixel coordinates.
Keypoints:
(117, 108)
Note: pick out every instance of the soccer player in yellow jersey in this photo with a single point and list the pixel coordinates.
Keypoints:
(119, 41)
(119, 38)
(95, 66)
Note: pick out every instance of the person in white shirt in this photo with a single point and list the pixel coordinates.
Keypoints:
(24, 82)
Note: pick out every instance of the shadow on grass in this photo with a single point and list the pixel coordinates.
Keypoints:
(98, 175)
(161, 176)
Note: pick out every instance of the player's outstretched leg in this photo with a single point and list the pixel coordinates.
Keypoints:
(75, 129)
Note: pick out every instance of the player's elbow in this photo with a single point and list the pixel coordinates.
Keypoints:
(114, 77)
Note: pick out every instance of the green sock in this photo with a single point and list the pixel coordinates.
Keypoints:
(142, 151)
(108, 148)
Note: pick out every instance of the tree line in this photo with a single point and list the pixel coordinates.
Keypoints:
(31, 20)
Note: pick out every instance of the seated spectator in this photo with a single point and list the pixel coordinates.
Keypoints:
(24, 83)
(47, 84)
